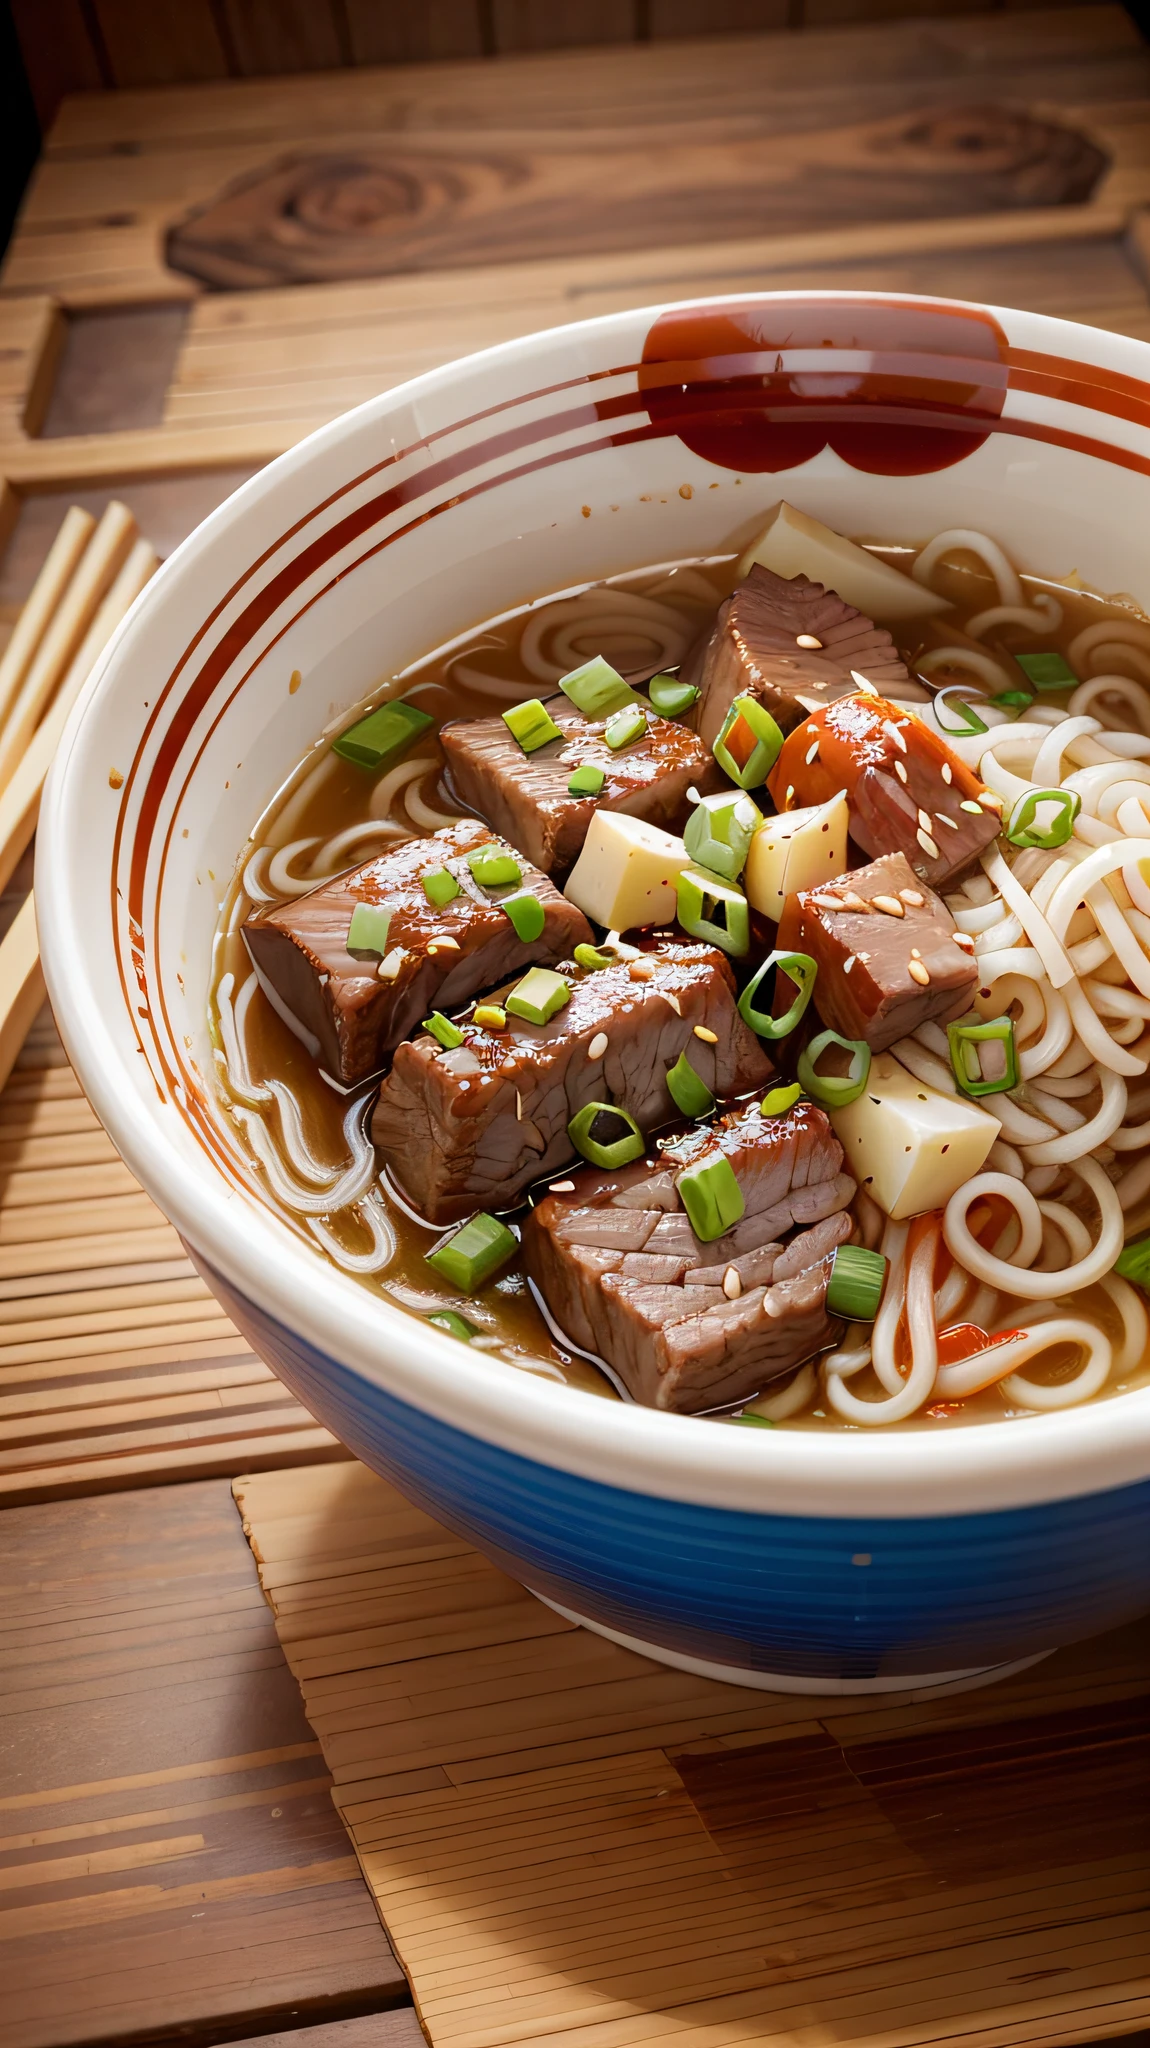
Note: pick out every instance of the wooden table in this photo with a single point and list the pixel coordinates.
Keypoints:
(170, 1864)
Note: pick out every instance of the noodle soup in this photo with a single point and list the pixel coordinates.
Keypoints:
(998, 1298)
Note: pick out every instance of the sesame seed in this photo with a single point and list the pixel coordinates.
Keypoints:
(944, 820)
(598, 1046)
(853, 902)
(927, 843)
(812, 753)
(391, 963)
(890, 904)
(912, 897)
(673, 1003)
(789, 798)
(444, 944)
(924, 820)
(807, 640)
(990, 801)
(900, 771)
(849, 962)
(732, 1285)
(895, 735)
(868, 689)
(964, 940)
(562, 1187)
(947, 772)
(693, 796)
(518, 1107)
(967, 805)
(919, 973)
(640, 971)
(708, 1036)
(915, 954)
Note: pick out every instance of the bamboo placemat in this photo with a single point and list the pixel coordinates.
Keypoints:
(117, 1367)
(566, 1841)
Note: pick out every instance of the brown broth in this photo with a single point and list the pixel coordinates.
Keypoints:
(327, 795)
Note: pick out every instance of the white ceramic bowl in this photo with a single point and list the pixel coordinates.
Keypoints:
(814, 1562)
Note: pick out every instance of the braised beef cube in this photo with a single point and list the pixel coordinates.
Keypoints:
(907, 791)
(889, 954)
(792, 644)
(691, 1325)
(471, 1128)
(351, 1010)
(526, 796)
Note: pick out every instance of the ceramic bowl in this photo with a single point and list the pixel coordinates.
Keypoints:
(802, 1561)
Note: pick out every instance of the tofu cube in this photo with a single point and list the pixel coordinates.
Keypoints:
(793, 544)
(794, 851)
(906, 1144)
(627, 872)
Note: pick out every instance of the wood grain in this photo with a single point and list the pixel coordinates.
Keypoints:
(169, 1857)
(568, 1842)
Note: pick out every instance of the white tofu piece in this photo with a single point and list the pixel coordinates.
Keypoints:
(906, 1144)
(795, 851)
(627, 872)
(793, 544)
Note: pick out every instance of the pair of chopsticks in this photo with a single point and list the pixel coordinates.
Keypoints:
(92, 575)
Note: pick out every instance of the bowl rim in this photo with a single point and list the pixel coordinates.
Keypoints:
(900, 1474)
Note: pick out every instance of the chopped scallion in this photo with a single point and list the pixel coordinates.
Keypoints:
(1133, 1263)
(591, 959)
(380, 738)
(855, 1287)
(597, 689)
(834, 1091)
(448, 1034)
(749, 744)
(472, 1254)
(983, 1055)
(367, 932)
(490, 1017)
(712, 909)
(1047, 671)
(712, 1197)
(780, 1100)
(1013, 700)
(493, 868)
(527, 915)
(1023, 828)
(531, 724)
(687, 1089)
(587, 780)
(752, 1421)
(799, 968)
(606, 1136)
(626, 727)
(670, 696)
(539, 996)
(456, 1326)
(440, 887)
(719, 832)
(968, 719)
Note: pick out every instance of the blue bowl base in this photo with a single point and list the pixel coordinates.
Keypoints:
(935, 1682)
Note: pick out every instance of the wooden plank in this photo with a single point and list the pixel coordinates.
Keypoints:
(148, 45)
(568, 1842)
(405, 35)
(556, 24)
(279, 36)
(169, 1857)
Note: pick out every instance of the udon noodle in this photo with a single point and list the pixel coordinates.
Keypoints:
(1023, 1254)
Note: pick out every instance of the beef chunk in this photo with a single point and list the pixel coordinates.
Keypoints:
(525, 796)
(906, 790)
(470, 1129)
(755, 647)
(691, 1326)
(349, 1016)
(888, 952)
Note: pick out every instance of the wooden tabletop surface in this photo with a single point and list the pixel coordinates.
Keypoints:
(171, 1865)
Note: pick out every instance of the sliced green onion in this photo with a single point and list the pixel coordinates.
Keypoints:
(440, 887)
(753, 1421)
(711, 909)
(531, 724)
(799, 968)
(780, 1100)
(1047, 671)
(471, 1255)
(1133, 1262)
(527, 915)
(606, 1136)
(719, 832)
(669, 696)
(494, 869)
(367, 932)
(597, 689)
(442, 1028)
(749, 744)
(591, 959)
(688, 1091)
(539, 996)
(969, 721)
(834, 1091)
(1013, 700)
(983, 1056)
(456, 1326)
(587, 780)
(490, 1017)
(626, 727)
(855, 1287)
(712, 1197)
(382, 736)
(1023, 828)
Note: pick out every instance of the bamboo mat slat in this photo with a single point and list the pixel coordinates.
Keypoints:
(117, 1367)
(568, 1843)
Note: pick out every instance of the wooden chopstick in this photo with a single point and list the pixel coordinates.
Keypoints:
(64, 636)
(95, 577)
